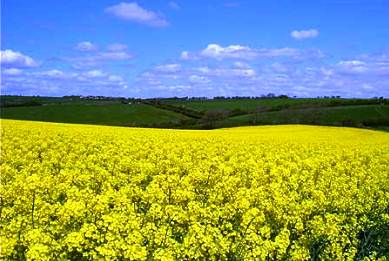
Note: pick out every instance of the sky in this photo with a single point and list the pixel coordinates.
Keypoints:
(162, 48)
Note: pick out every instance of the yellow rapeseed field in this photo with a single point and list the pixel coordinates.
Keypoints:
(293, 192)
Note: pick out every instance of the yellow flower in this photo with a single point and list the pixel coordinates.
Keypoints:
(275, 192)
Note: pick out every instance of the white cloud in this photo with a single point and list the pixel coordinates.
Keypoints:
(114, 56)
(12, 59)
(57, 82)
(353, 66)
(135, 13)
(284, 71)
(53, 74)
(170, 68)
(241, 65)
(115, 78)
(173, 5)
(304, 34)
(366, 68)
(367, 86)
(222, 71)
(203, 69)
(376, 57)
(98, 59)
(179, 87)
(86, 47)
(288, 52)
(12, 71)
(117, 47)
(233, 51)
(228, 72)
(239, 52)
(277, 52)
(279, 67)
(185, 55)
(199, 79)
(94, 74)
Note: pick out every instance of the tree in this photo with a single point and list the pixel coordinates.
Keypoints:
(212, 116)
(258, 111)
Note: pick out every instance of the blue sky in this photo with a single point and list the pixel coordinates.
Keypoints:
(195, 48)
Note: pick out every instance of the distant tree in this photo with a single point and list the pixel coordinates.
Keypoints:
(211, 117)
(236, 112)
(257, 113)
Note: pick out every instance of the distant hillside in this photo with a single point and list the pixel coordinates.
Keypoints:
(198, 113)
(104, 114)
(375, 116)
(273, 104)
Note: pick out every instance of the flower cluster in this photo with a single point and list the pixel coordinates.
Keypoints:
(264, 193)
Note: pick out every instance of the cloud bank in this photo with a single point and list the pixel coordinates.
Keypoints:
(218, 52)
(232, 70)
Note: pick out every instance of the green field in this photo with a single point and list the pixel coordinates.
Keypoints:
(102, 114)
(363, 115)
(267, 104)
(198, 114)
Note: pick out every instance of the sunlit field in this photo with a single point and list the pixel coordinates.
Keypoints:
(277, 192)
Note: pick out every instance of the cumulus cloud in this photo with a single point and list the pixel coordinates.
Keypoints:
(365, 68)
(135, 13)
(376, 57)
(86, 47)
(304, 34)
(115, 78)
(99, 58)
(239, 52)
(241, 65)
(185, 55)
(233, 51)
(173, 67)
(94, 74)
(58, 82)
(277, 52)
(216, 70)
(188, 79)
(12, 59)
(353, 66)
(279, 67)
(114, 56)
(117, 47)
(11, 71)
(52, 74)
(282, 74)
(199, 79)
(226, 72)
